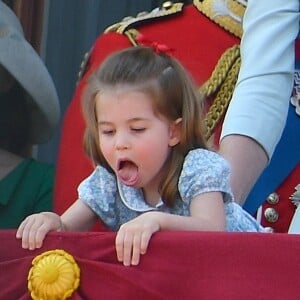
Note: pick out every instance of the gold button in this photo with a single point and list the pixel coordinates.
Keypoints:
(273, 198)
(167, 5)
(271, 214)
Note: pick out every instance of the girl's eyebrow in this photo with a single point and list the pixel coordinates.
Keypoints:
(104, 123)
(136, 119)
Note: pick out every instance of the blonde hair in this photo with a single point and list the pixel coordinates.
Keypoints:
(174, 96)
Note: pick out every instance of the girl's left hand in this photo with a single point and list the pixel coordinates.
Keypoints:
(133, 238)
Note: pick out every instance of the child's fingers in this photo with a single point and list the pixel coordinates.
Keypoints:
(145, 239)
(24, 226)
(20, 229)
(127, 248)
(36, 235)
(40, 234)
(35, 227)
(29, 236)
(32, 231)
(136, 249)
(119, 245)
(25, 231)
(124, 246)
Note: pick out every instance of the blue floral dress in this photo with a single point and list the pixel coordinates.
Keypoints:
(203, 171)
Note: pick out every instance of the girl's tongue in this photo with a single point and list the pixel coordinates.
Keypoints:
(128, 172)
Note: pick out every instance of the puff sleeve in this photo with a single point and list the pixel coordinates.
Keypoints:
(204, 171)
(99, 192)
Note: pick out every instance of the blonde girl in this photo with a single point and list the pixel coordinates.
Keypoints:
(153, 170)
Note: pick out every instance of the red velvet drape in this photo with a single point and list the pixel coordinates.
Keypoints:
(178, 265)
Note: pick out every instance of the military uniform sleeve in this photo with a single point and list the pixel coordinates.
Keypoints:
(259, 105)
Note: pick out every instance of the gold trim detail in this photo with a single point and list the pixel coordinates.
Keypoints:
(168, 8)
(131, 35)
(226, 13)
(221, 83)
(54, 275)
(125, 26)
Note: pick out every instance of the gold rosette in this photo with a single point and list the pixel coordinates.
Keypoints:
(54, 275)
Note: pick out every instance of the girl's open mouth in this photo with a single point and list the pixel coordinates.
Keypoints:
(127, 172)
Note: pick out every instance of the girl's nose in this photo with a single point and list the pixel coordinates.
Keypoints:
(122, 142)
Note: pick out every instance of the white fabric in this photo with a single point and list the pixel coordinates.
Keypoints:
(259, 105)
(295, 223)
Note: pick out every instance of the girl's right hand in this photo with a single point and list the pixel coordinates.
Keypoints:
(34, 228)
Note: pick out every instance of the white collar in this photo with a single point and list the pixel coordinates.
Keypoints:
(133, 198)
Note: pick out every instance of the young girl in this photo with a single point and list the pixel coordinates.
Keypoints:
(153, 169)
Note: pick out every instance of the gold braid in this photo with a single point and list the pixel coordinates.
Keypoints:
(221, 70)
(221, 82)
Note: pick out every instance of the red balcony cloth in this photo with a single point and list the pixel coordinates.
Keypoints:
(178, 265)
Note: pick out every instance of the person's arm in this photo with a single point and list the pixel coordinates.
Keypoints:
(206, 214)
(247, 159)
(34, 228)
(78, 217)
(257, 113)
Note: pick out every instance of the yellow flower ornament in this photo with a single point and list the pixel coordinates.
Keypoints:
(54, 275)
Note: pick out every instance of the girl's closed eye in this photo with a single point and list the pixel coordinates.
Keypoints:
(106, 131)
(138, 129)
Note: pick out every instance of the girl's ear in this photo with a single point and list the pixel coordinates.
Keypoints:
(175, 132)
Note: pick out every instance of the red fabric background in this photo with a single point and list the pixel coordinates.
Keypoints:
(178, 265)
